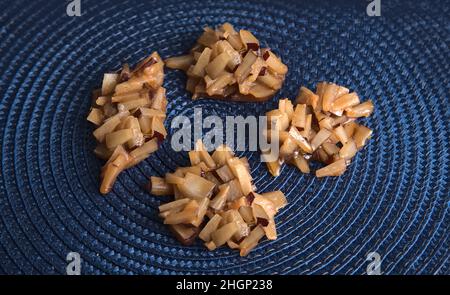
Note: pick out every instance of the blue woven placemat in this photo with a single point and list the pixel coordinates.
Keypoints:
(393, 200)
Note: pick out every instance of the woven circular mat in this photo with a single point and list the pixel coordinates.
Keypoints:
(393, 200)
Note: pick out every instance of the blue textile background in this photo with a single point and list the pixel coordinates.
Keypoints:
(394, 199)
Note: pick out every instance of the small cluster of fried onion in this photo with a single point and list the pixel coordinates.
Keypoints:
(129, 112)
(217, 188)
(320, 126)
(226, 64)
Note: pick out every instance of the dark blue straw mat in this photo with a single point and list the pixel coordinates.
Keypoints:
(393, 199)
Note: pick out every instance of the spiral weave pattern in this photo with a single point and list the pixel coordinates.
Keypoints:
(394, 199)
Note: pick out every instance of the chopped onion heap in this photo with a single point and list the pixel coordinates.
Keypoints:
(320, 126)
(215, 199)
(129, 112)
(227, 64)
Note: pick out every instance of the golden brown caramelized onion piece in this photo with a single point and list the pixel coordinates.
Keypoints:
(227, 64)
(129, 112)
(320, 126)
(215, 199)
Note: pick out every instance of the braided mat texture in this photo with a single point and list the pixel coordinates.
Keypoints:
(394, 199)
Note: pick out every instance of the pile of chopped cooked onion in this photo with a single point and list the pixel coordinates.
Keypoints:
(217, 188)
(226, 64)
(321, 126)
(129, 112)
